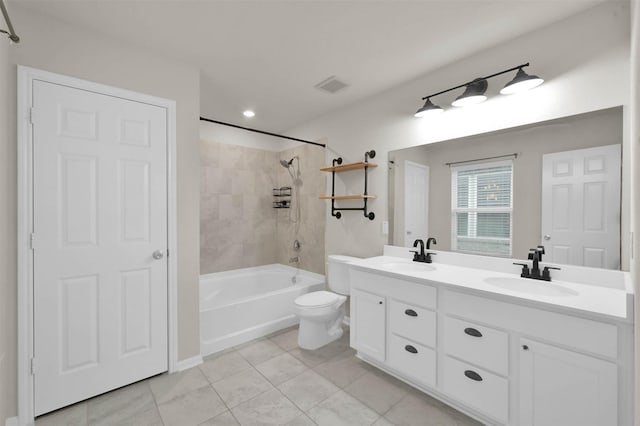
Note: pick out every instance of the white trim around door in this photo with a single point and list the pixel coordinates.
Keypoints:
(26, 77)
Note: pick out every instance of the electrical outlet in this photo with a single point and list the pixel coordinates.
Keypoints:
(385, 227)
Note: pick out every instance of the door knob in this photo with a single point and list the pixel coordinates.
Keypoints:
(547, 237)
(157, 255)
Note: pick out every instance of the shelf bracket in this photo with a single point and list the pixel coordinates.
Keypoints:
(335, 211)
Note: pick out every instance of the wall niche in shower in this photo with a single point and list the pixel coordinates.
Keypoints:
(239, 227)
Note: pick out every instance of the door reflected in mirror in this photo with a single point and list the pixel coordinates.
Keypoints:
(555, 183)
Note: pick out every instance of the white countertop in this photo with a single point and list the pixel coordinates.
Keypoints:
(593, 300)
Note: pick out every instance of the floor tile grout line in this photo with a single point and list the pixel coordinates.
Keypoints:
(223, 378)
(307, 368)
(256, 341)
(356, 397)
(306, 412)
(223, 403)
(321, 401)
(258, 394)
(279, 391)
(155, 402)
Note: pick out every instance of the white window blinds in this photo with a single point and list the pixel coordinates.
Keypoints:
(481, 208)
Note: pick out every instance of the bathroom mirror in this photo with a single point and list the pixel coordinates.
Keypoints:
(502, 207)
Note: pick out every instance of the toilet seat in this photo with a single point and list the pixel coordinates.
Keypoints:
(317, 299)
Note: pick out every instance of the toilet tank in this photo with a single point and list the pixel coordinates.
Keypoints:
(338, 273)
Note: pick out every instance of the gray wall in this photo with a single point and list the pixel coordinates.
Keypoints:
(56, 46)
(588, 50)
(582, 131)
(7, 245)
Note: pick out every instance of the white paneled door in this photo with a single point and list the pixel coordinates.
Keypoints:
(99, 243)
(581, 206)
(416, 202)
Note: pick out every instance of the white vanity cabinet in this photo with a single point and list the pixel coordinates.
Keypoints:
(563, 387)
(368, 332)
(498, 361)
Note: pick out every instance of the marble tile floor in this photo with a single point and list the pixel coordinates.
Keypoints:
(268, 381)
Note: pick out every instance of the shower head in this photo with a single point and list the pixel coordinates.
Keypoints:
(286, 164)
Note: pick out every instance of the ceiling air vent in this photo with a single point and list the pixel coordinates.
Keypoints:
(331, 85)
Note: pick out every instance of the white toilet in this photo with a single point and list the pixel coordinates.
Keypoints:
(321, 312)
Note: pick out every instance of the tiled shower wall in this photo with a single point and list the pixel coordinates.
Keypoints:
(310, 229)
(239, 227)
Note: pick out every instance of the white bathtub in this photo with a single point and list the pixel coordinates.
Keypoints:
(244, 304)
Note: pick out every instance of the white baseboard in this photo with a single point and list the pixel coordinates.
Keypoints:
(11, 421)
(188, 363)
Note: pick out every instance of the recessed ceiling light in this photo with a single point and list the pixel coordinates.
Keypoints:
(248, 113)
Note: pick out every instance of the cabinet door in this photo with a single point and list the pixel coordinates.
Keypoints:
(561, 387)
(368, 321)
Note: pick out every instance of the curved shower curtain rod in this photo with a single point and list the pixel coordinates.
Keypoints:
(11, 33)
(261, 131)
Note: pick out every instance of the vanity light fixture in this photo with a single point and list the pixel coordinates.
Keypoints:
(473, 94)
(475, 90)
(521, 83)
(429, 108)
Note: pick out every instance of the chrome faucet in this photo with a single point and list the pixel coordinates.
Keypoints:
(535, 255)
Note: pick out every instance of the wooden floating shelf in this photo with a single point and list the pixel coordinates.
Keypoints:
(348, 167)
(346, 197)
(338, 167)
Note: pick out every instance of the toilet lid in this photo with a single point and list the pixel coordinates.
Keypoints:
(317, 299)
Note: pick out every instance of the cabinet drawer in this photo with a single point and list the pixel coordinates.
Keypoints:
(416, 361)
(477, 344)
(416, 293)
(477, 388)
(592, 336)
(413, 322)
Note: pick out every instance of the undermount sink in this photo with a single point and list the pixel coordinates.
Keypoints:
(525, 285)
(408, 267)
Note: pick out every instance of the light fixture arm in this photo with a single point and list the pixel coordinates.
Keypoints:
(480, 78)
(11, 33)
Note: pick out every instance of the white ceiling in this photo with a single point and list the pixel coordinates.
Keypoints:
(267, 55)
